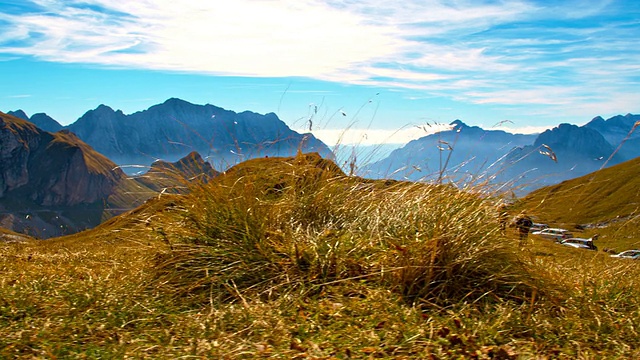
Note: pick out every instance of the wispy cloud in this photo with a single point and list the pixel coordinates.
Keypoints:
(481, 52)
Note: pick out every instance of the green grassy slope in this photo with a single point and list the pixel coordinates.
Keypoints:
(596, 197)
(606, 202)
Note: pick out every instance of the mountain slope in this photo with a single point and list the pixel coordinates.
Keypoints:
(53, 183)
(601, 196)
(325, 266)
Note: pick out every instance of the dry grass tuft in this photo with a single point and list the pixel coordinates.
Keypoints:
(304, 225)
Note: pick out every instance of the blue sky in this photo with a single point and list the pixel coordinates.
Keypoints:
(377, 68)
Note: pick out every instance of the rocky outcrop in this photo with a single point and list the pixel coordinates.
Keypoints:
(51, 169)
(189, 167)
(177, 177)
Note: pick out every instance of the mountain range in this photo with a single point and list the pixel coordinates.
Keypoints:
(54, 184)
(51, 183)
(175, 128)
(472, 155)
(57, 180)
(61, 179)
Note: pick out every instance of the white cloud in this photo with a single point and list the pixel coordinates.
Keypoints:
(256, 38)
(465, 50)
(241, 37)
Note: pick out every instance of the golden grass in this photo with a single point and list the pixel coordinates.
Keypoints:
(290, 258)
(596, 197)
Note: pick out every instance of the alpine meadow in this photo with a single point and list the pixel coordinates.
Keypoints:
(319, 179)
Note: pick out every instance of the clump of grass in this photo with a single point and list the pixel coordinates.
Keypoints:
(303, 225)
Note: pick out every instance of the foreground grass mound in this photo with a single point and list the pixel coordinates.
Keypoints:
(290, 258)
(299, 224)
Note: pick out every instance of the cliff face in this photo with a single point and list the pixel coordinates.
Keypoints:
(51, 169)
(18, 139)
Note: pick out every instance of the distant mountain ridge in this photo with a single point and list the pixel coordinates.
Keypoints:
(616, 129)
(471, 154)
(175, 128)
(564, 152)
(171, 130)
(41, 120)
(462, 152)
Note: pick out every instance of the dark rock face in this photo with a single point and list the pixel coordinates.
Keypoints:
(175, 128)
(41, 120)
(51, 169)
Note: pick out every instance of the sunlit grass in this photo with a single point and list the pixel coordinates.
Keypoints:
(291, 258)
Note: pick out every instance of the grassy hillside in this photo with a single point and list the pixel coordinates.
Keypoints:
(601, 196)
(606, 202)
(290, 258)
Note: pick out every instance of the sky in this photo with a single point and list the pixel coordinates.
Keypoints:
(352, 71)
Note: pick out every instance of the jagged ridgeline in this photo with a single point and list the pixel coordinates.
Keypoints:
(57, 183)
(175, 128)
(470, 154)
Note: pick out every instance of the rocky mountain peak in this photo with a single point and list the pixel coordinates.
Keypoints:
(45, 122)
(19, 114)
(190, 166)
(458, 124)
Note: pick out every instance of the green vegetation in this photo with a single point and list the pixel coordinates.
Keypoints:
(290, 258)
